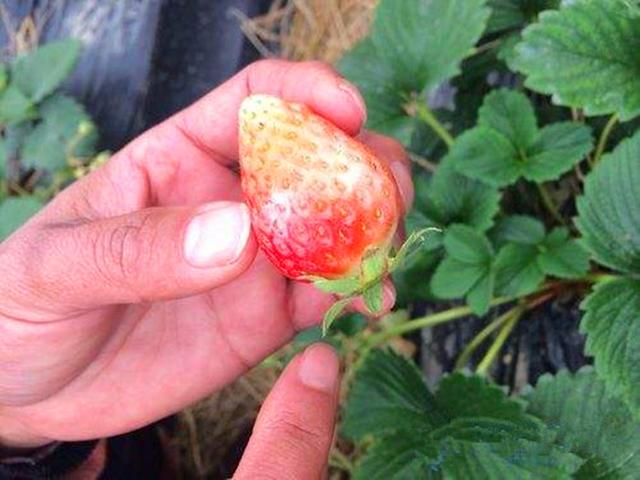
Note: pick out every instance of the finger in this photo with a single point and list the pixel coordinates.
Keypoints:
(315, 84)
(184, 160)
(152, 254)
(294, 430)
(392, 152)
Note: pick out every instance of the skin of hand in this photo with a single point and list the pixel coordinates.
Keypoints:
(139, 289)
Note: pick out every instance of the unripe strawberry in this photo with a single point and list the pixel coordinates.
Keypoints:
(320, 200)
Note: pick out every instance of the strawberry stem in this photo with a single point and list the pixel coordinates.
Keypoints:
(604, 138)
(427, 321)
(496, 346)
(424, 114)
(480, 338)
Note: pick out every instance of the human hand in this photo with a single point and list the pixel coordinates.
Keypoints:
(137, 290)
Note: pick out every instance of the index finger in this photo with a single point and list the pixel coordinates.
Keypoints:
(212, 122)
(184, 160)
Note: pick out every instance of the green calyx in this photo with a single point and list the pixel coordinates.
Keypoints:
(368, 282)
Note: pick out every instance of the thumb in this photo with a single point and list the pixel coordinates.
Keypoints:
(293, 433)
(152, 254)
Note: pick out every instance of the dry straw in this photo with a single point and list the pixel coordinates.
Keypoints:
(309, 29)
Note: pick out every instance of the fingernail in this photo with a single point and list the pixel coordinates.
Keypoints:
(319, 368)
(217, 235)
(356, 97)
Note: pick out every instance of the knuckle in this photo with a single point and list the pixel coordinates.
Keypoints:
(295, 431)
(120, 253)
(151, 153)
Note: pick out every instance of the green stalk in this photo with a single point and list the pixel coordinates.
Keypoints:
(427, 321)
(507, 328)
(598, 277)
(604, 138)
(549, 205)
(481, 337)
(426, 115)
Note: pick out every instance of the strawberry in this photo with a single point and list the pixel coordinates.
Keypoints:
(321, 202)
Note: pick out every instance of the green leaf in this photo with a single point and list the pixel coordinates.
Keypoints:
(467, 429)
(486, 155)
(518, 229)
(510, 14)
(467, 245)
(407, 457)
(563, 257)
(388, 395)
(467, 269)
(40, 72)
(307, 337)
(585, 56)
(517, 269)
(507, 49)
(609, 211)
(406, 32)
(612, 325)
(13, 138)
(451, 198)
(4, 77)
(479, 297)
(385, 105)
(556, 150)
(509, 459)
(374, 266)
(510, 114)
(3, 164)
(343, 286)
(373, 298)
(453, 278)
(507, 143)
(528, 255)
(589, 422)
(350, 324)
(48, 145)
(473, 396)
(404, 456)
(334, 312)
(15, 107)
(633, 6)
(413, 46)
(14, 211)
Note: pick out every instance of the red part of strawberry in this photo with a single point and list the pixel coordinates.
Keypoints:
(320, 200)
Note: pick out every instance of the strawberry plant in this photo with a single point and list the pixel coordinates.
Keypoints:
(522, 117)
(47, 137)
